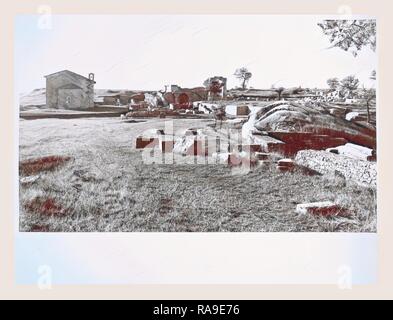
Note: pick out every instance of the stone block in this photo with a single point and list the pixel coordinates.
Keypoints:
(325, 209)
(146, 142)
(262, 156)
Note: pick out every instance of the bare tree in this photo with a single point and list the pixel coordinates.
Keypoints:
(244, 76)
(350, 35)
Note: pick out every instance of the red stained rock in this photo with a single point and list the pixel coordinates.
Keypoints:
(324, 209)
(285, 169)
(297, 141)
(289, 163)
(39, 228)
(145, 142)
(262, 156)
(334, 210)
(365, 137)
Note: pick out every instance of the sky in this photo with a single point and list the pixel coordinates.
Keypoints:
(151, 51)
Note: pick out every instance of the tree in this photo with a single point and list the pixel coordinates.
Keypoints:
(279, 91)
(333, 83)
(350, 35)
(369, 95)
(348, 86)
(244, 76)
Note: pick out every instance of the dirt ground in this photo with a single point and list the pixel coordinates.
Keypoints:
(107, 187)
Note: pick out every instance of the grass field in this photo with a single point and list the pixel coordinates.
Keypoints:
(106, 187)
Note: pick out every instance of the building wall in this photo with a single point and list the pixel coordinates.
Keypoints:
(71, 99)
(83, 98)
(111, 100)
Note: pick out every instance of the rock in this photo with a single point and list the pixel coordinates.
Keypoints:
(250, 148)
(146, 142)
(288, 163)
(373, 157)
(325, 209)
(262, 156)
(243, 110)
(29, 180)
(284, 169)
(359, 171)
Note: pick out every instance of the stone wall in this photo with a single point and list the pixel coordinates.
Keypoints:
(358, 171)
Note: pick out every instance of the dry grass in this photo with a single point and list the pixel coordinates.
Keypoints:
(108, 188)
(192, 199)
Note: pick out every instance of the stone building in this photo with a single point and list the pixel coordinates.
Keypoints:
(184, 97)
(69, 90)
